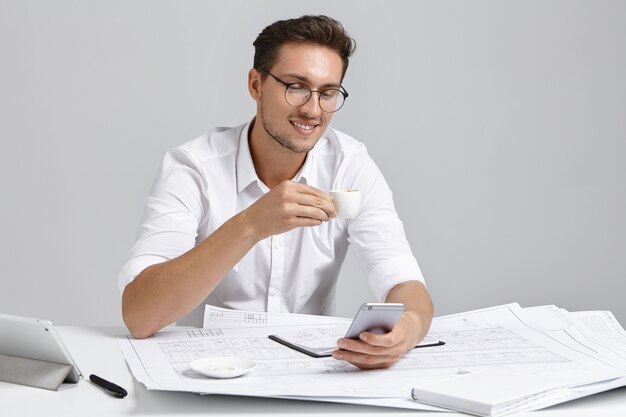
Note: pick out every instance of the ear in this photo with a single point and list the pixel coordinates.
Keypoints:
(254, 84)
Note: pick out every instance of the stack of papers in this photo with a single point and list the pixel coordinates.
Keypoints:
(584, 351)
(493, 392)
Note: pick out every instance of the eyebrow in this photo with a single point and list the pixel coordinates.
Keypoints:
(306, 80)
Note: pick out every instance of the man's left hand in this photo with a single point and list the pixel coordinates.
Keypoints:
(374, 351)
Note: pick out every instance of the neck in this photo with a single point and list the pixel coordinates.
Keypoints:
(273, 163)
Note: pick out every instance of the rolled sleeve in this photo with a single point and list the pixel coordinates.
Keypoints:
(391, 272)
(172, 213)
(376, 234)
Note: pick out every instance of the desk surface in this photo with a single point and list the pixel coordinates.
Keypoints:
(96, 352)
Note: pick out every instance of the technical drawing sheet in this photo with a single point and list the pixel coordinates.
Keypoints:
(225, 318)
(480, 339)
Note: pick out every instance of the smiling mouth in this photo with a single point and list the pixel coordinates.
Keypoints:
(303, 126)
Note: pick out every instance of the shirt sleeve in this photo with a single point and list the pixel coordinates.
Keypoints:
(173, 210)
(376, 234)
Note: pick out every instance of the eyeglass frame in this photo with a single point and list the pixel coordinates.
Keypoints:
(341, 89)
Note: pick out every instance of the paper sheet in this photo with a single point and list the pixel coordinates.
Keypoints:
(474, 340)
(225, 318)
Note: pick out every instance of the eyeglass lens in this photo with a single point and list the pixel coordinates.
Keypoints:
(330, 100)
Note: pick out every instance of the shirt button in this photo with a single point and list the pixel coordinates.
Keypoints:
(276, 246)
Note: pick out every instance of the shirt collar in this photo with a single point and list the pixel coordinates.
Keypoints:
(246, 174)
(306, 170)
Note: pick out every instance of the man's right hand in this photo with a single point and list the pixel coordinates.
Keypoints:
(287, 206)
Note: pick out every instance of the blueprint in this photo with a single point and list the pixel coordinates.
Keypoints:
(223, 317)
(531, 340)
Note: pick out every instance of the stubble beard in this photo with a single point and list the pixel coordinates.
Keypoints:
(283, 140)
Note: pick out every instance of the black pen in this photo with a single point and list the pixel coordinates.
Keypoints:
(110, 387)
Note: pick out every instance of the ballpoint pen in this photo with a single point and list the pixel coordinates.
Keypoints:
(109, 387)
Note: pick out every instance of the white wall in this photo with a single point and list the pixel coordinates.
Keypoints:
(500, 126)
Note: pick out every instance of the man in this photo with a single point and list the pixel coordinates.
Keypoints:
(241, 218)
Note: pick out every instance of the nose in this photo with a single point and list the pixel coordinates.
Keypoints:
(312, 107)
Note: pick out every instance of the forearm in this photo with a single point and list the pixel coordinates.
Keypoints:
(166, 292)
(163, 293)
(417, 303)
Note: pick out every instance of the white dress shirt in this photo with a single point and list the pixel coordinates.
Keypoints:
(205, 182)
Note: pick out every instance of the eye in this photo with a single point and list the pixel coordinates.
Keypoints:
(298, 89)
(329, 94)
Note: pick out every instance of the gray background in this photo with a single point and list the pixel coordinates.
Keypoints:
(500, 126)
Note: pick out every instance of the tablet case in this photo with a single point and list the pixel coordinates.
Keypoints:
(33, 354)
(35, 373)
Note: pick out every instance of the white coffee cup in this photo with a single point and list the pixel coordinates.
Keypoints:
(347, 202)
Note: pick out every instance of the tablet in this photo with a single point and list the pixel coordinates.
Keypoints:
(36, 339)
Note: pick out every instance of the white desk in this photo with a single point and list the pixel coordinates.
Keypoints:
(96, 351)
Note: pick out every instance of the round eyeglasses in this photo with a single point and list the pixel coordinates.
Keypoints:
(298, 94)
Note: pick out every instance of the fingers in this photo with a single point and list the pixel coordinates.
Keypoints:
(385, 340)
(296, 212)
(314, 208)
(308, 212)
(312, 197)
(287, 206)
(366, 361)
(359, 346)
(374, 350)
(311, 202)
(366, 356)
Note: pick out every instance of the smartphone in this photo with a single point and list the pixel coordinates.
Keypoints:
(375, 318)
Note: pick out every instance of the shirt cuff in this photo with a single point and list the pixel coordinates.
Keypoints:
(386, 275)
(134, 267)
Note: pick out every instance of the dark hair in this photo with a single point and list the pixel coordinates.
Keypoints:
(321, 30)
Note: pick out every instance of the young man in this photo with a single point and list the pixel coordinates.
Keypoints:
(241, 218)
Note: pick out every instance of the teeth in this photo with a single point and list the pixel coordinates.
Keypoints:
(301, 126)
